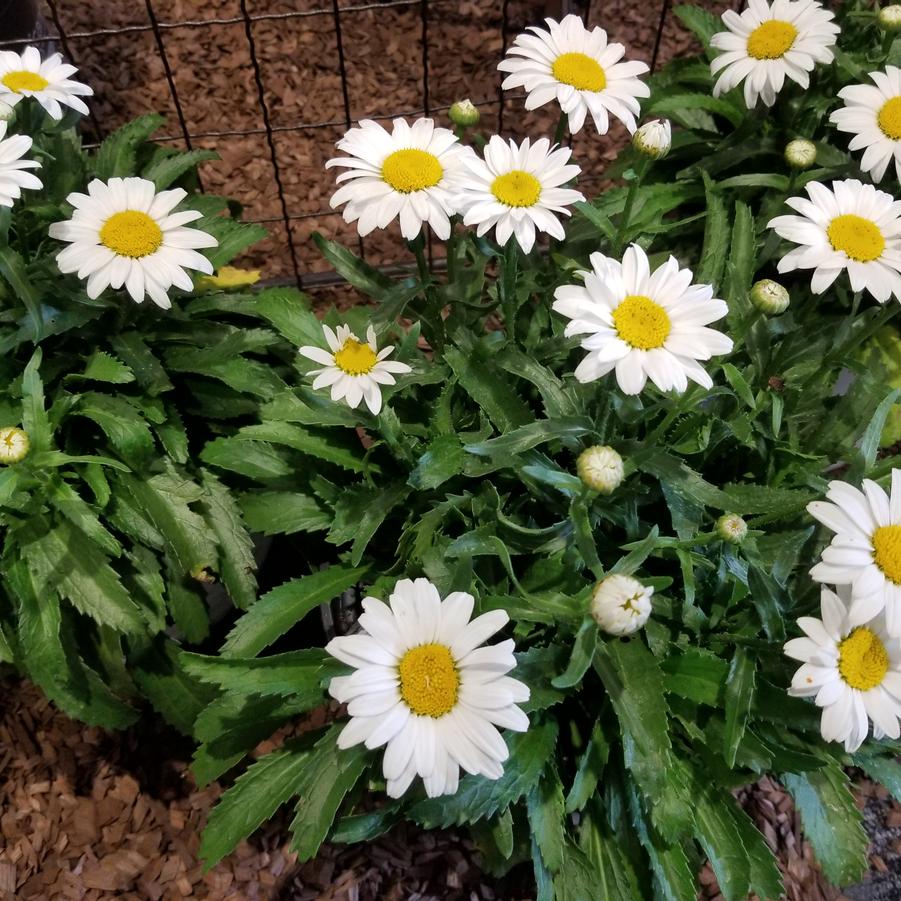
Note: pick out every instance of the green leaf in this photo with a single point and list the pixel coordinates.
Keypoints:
(697, 675)
(740, 267)
(283, 513)
(13, 269)
(359, 513)
(117, 155)
(65, 499)
(64, 559)
(739, 385)
(255, 797)
(254, 459)
(358, 273)
(140, 359)
(478, 797)
(529, 436)
(588, 774)
(489, 388)
(716, 236)
(329, 775)
(164, 499)
(832, 821)
(233, 237)
(34, 417)
(278, 610)
(880, 767)
(719, 837)
(869, 444)
(766, 595)
(442, 461)
(532, 667)
(236, 560)
(738, 698)
(636, 686)
(127, 430)
(673, 105)
(583, 648)
(166, 170)
(296, 673)
(289, 311)
(104, 367)
(321, 444)
(703, 24)
(544, 804)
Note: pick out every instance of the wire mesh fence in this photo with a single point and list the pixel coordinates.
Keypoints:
(272, 84)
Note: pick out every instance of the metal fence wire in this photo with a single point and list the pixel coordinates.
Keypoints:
(58, 29)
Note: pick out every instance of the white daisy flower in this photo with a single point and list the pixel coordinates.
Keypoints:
(427, 687)
(404, 174)
(354, 369)
(620, 604)
(580, 70)
(517, 189)
(853, 226)
(851, 669)
(27, 75)
(872, 113)
(124, 233)
(13, 176)
(766, 44)
(865, 552)
(643, 324)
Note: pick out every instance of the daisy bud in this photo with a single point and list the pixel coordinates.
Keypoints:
(732, 528)
(6, 112)
(600, 468)
(621, 605)
(14, 444)
(769, 297)
(800, 153)
(464, 113)
(653, 139)
(889, 18)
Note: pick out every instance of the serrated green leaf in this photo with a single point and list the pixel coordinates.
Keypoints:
(544, 805)
(164, 171)
(117, 153)
(103, 367)
(738, 699)
(284, 513)
(442, 461)
(583, 647)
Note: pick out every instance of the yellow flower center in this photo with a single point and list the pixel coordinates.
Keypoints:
(772, 39)
(641, 322)
(862, 659)
(887, 552)
(580, 71)
(355, 358)
(429, 680)
(412, 170)
(131, 234)
(856, 236)
(24, 81)
(516, 188)
(889, 118)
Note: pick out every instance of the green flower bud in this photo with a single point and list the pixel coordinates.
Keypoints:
(800, 153)
(889, 18)
(464, 113)
(14, 444)
(769, 297)
(732, 528)
(600, 468)
(653, 139)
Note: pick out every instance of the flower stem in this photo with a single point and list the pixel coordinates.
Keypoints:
(507, 285)
(641, 169)
(559, 134)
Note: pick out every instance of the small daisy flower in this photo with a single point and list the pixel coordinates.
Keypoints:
(427, 687)
(13, 176)
(620, 604)
(865, 552)
(767, 43)
(14, 444)
(517, 190)
(580, 70)
(27, 75)
(643, 324)
(853, 227)
(354, 369)
(125, 233)
(872, 113)
(654, 139)
(851, 669)
(402, 175)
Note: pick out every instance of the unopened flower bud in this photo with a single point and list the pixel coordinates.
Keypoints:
(6, 111)
(800, 153)
(465, 113)
(14, 444)
(732, 528)
(621, 605)
(600, 468)
(889, 18)
(653, 139)
(769, 297)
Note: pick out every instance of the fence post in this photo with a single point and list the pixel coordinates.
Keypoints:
(18, 19)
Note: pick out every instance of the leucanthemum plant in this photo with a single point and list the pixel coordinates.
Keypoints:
(28, 75)
(615, 478)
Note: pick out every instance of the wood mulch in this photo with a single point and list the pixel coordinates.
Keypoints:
(87, 814)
